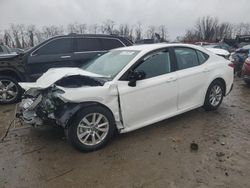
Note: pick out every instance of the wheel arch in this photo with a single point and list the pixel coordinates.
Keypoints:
(66, 114)
(220, 79)
(216, 79)
(12, 73)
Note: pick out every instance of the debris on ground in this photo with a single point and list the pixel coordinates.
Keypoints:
(194, 146)
(220, 154)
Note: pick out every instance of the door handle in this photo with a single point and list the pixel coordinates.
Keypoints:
(206, 70)
(171, 79)
(65, 56)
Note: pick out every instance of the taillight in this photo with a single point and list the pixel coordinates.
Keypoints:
(231, 65)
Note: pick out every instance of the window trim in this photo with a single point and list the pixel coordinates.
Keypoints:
(124, 77)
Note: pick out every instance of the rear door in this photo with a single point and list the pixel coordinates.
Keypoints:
(90, 48)
(191, 77)
(86, 49)
(55, 53)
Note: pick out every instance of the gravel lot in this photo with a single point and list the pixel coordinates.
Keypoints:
(155, 156)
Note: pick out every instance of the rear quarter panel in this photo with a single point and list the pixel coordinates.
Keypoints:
(219, 68)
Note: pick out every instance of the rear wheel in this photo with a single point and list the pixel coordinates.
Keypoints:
(214, 95)
(10, 91)
(92, 128)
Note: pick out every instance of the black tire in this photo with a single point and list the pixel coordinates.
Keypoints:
(73, 128)
(16, 89)
(208, 105)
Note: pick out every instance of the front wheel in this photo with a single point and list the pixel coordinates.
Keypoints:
(92, 128)
(214, 96)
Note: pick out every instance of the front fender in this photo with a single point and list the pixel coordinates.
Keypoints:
(67, 111)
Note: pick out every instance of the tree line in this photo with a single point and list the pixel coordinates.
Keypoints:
(210, 29)
(206, 28)
(26, 36)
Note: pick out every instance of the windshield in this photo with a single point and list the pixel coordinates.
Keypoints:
(111, 63)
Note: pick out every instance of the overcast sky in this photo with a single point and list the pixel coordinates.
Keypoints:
(177, 15)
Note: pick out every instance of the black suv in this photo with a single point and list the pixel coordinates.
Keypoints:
(62, 51)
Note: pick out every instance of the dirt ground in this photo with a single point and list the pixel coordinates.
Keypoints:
(155, 156)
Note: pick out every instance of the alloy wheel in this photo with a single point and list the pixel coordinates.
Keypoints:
(215, 95)
(92, 129)
(8, 90)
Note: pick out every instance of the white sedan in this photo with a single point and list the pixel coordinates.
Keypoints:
(126, 89)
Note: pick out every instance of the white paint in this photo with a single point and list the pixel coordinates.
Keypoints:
(152, 99)
(218, 51)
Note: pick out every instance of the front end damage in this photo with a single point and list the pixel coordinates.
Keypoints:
(39, 106)
(58, 101)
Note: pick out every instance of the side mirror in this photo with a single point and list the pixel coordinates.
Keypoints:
(134, 76)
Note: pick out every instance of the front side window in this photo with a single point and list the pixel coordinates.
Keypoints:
(57, 46)
(186, 58)
(88, 44)
(155, 64)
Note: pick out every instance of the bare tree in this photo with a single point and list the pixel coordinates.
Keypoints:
(151, 32)
(124, 30)
(138, 31)
(15, 30)
(224, 30)
(51, 31)
(7, 39)
(93, 28)
(108, 27)
(163, 32)
(31, 33)
(209, 29)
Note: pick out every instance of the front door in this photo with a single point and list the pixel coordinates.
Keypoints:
(153, 98)
(55, 53)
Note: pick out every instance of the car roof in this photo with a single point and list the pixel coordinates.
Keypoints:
(150, 47)
(125, 40)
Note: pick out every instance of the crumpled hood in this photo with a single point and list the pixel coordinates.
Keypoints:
(53, 75)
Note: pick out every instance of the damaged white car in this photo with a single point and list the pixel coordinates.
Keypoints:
(126, 89)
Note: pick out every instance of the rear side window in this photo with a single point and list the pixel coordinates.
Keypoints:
(108, 44)
(156, 64)
(186, 58)
(202, 57)
(58, 46)
(88, 44)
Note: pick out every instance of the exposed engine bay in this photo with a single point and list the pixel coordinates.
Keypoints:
(59, 100)
(39, 106)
